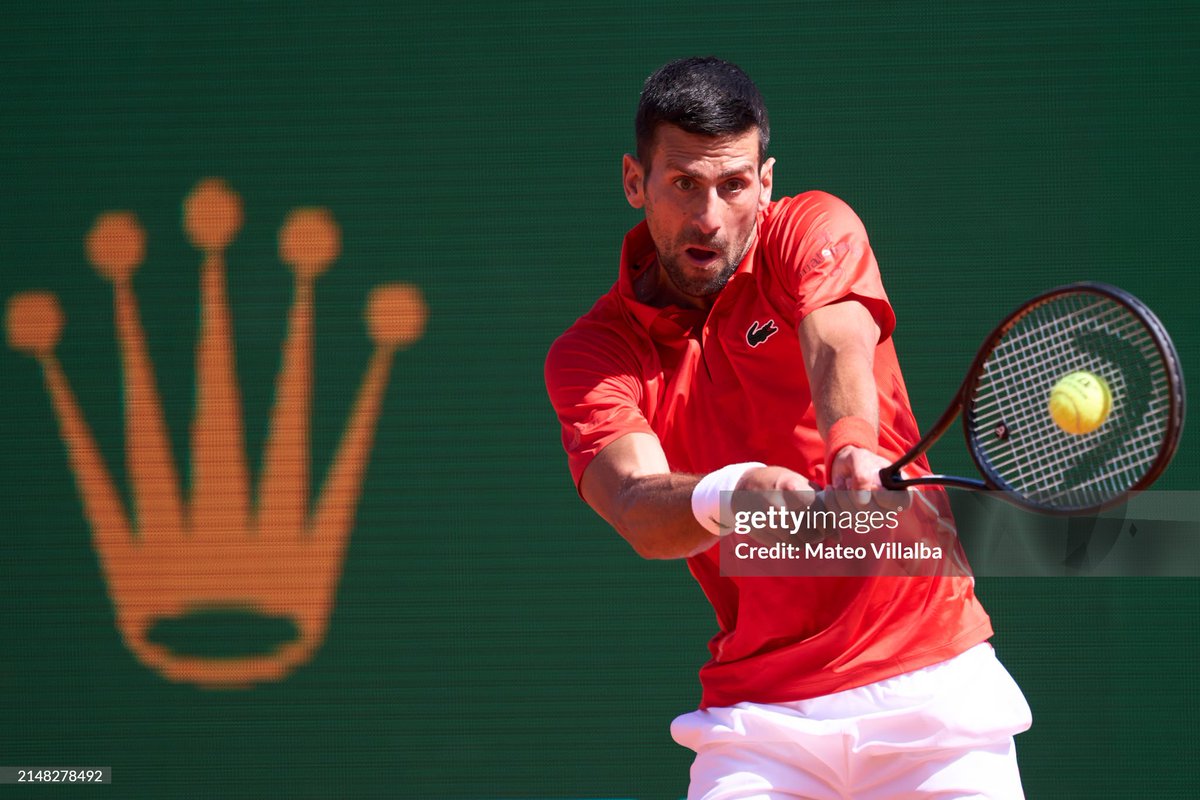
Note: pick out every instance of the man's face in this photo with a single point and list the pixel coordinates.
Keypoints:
(701, 195)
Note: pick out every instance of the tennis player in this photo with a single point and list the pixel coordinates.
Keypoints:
(746, 344)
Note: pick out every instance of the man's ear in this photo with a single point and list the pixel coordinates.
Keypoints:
(633, 181)
(766, 177)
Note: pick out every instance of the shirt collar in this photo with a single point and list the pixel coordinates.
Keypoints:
(637, 255)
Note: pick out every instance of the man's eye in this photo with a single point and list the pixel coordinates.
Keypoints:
(685, 184)
(734, 186)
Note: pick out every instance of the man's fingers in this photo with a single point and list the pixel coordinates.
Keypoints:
(837, 500)
(890, 500)
(863, 500)
(771, 504)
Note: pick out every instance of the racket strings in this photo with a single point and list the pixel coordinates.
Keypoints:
(1045, 472)
(1044, 468)
(1054, 455)
(1009, 419)
(1026, 392)
(1022, 365)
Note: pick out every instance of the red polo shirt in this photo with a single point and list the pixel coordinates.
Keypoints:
(731, 386)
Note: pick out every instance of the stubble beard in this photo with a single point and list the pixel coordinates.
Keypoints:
(718, 273)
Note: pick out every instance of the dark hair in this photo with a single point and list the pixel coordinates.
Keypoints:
(707, 96)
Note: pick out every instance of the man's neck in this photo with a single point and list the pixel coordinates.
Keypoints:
(655, 288)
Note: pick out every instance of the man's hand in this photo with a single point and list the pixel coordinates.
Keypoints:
(766, 488)
(854, 479)
(777, 479)
(856, 468)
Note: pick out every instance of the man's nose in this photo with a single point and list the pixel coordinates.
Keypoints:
(707, 214)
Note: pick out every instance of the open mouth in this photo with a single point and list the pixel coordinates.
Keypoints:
(701, 255)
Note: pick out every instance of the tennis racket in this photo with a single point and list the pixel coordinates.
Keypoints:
(1004, 401)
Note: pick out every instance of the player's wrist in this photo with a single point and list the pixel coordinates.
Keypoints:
(711, 499)
(848, 431)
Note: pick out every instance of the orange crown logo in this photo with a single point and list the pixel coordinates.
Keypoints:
(217, 548)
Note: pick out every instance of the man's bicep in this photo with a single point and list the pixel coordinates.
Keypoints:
(634, 455)
(847, 326)
(597, 392)
(818, 250)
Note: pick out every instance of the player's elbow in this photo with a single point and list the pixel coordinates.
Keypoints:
(650, 548)
(636, 536)
(647, 540)
(653, 542)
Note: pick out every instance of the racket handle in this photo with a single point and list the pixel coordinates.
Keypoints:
(889, 477)
(895, 480)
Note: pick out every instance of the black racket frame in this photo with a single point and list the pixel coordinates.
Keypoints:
(891, 478)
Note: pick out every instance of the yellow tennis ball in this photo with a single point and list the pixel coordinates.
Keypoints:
(1080, 402)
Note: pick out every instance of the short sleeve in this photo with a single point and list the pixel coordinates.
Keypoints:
(819, 250)
(595, 386)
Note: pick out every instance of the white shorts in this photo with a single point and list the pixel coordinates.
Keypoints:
(945, 731)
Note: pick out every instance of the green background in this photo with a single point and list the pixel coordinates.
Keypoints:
(492, 638)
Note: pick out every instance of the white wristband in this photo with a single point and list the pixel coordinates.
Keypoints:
(707, 503)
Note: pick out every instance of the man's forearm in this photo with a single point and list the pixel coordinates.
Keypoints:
(838, 343)
(844, 386)
(654, 514)
(659, 512)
